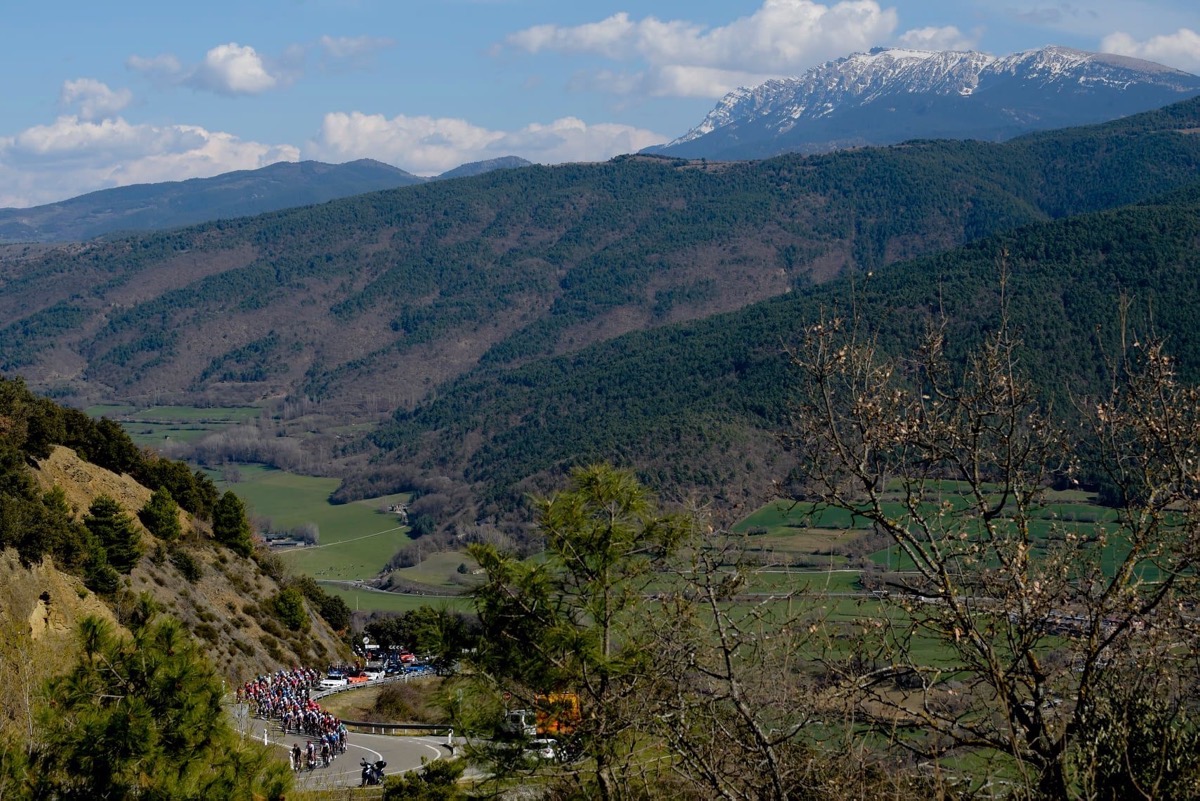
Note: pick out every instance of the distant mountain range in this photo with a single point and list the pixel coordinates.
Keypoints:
(510, 318)
(150, 207)
(891, 95)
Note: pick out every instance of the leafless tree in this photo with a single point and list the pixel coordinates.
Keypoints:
(1015, 634)
(746, 694)
(733, 689)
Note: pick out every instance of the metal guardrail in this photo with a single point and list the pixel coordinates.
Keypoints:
(397, 729)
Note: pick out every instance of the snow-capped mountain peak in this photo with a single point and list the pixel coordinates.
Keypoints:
(871, 92)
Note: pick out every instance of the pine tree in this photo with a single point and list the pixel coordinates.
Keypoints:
(563, 625)
(290, 609)
(115, 532)
(141, 718)
(230, 526)
(161, 515)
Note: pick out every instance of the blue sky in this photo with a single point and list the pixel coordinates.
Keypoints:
(109, 94)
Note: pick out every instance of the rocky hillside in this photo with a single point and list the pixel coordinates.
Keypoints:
(39, 607)
(225, 600)
(76, 540)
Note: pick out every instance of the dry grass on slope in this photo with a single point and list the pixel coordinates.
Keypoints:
(224, 600)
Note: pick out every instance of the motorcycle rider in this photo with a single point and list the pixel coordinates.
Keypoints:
(372, 773)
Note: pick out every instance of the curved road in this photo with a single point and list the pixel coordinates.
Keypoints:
(402, 754)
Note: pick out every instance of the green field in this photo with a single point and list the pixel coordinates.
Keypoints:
(782, 517)
(155, 426)
(217, 415)
(371, 601)
(781, 580)
(356, 539)
(439, 570)
(113, 411)
(812, 537)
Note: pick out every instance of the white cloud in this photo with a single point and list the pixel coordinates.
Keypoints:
(215, 152)
(232, 69)
(671, 80)
(945, 38)
(783, 37)
(227, 69)
(72, 156)
(94, 98)
(1180, 49)
(428, 145)
(613, 37)
(235, 69)
(70, 139)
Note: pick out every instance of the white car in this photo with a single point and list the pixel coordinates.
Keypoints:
(332, 682)
(543, 748)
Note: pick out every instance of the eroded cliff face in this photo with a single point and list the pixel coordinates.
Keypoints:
(42, 603)
(83, 482)
(39, 609)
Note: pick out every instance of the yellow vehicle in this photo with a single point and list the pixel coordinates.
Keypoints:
(557, 714)
(553, 715)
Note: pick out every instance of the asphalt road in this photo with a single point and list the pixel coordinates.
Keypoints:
(402, 754)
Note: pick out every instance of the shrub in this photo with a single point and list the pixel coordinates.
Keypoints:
(160, 515)
(436, 781)
(206, 631)
(395, 704)
(187, 565)
(289, 608)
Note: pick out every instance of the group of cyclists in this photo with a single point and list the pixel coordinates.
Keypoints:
(313, 755)
(284, 696)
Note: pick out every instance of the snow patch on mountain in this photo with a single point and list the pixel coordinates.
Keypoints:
(863, 78)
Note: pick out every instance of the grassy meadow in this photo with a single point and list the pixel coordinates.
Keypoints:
(157, 426)
(375, 601)
(440, 570)
(356, 539)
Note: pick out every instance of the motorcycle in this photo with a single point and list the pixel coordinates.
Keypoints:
(372, 772)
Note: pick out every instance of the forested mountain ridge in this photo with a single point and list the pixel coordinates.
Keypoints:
(171, 204)
(480, 167)
(695, 407)
(375, 301)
